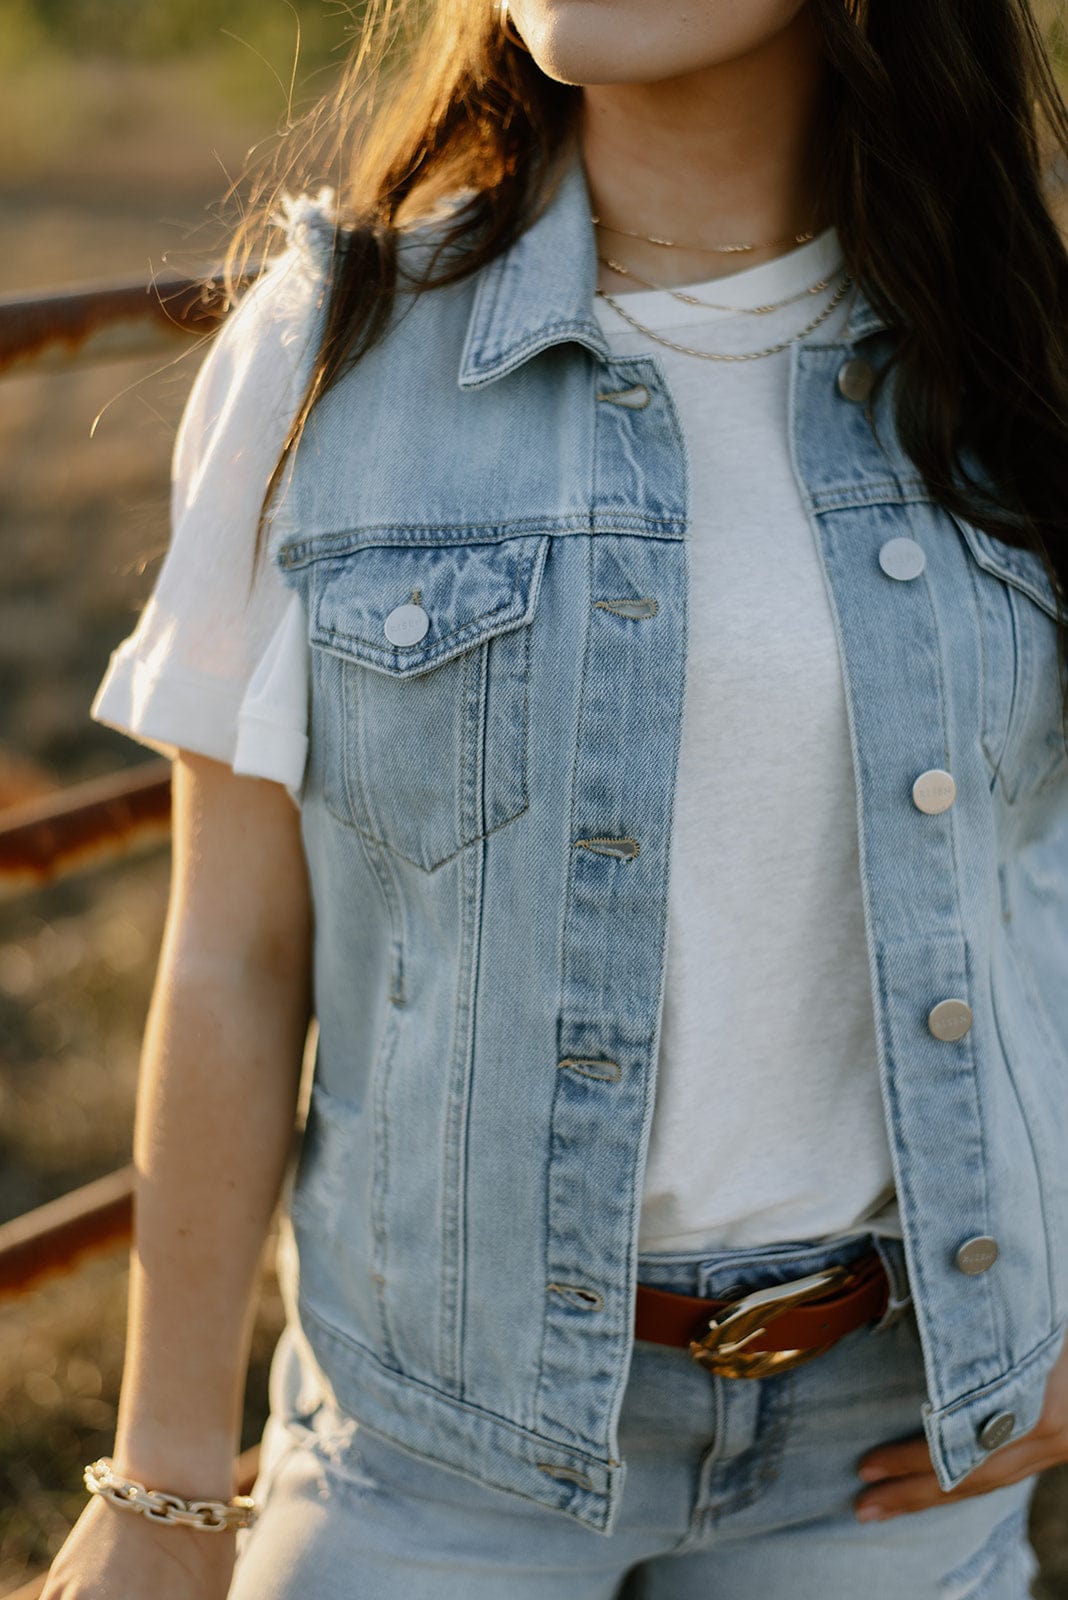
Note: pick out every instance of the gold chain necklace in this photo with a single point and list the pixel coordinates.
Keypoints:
(711, 249)
(710, 305)
(716, 355)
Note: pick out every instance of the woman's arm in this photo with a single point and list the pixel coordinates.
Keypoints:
(220, 1073)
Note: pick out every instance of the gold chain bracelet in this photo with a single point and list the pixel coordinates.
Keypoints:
(214, 1516)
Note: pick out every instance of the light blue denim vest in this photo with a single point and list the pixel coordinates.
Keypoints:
(487, 814)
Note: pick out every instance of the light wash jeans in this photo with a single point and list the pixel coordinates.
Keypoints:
(736, 1489)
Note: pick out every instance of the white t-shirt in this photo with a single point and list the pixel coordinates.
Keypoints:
(768, 1123)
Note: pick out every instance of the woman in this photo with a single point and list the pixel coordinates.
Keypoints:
(669, 681)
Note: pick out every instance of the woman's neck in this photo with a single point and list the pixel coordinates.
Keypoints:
(723, 155)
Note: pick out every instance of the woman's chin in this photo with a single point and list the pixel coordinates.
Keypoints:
(591, 42)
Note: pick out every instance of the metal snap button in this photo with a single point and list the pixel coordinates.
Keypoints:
(950, 1019)
(902, 559)
(977, 1255)
(997, 1431)
(934, 791)
(406, 624)
(855, 381)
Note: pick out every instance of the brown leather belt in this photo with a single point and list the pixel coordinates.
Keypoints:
(770, 1330)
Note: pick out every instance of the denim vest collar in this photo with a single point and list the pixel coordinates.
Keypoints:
(540, 290)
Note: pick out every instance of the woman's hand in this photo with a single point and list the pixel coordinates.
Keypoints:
(904, 1479)
(115, 1554)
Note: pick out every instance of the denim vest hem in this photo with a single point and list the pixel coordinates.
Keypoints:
(487, 1449)
(952, 1432)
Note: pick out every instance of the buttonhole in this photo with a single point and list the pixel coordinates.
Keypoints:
(636, 609)
(590, 1067)
(620, 849)
(577, 1295)
(566, 1474)
(635, 398)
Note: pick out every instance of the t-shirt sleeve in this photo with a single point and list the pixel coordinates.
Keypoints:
(217, 663)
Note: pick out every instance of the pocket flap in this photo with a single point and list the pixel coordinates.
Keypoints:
(468, 592)
(1022, 568)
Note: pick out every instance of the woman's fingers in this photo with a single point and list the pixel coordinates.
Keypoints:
(898, 1460)
(909, 1483)
(903, 1479)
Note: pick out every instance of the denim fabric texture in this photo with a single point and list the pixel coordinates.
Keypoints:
(487, 816)
(735, 1488)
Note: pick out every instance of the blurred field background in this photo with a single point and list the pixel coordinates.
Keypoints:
(122, 124)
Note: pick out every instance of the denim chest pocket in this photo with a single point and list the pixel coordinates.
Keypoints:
(1022, 705)
(420, 666)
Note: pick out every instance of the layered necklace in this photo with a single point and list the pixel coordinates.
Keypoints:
(842, 281)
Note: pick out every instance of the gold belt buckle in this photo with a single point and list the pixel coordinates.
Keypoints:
(722, 1351)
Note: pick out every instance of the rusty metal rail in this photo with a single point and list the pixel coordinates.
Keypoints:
(56, 1236)
(107, 321)
(106, 818)
(86, 823)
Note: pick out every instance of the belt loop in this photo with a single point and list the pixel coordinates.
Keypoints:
(892, 1254)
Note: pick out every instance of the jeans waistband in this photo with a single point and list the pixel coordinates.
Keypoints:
(726, 1274)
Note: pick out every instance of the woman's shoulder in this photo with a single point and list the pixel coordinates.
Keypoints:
(294, 278)
(272, 320)
(270, 334)
(312, 226)
(310, 229)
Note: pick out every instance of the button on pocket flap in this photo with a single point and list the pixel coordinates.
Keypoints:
(404, 608)
(1022, 568)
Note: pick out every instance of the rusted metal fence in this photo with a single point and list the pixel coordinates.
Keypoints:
(94, 822)
(54, 1237)
(103, 820)
(105, 321)
(89, 822)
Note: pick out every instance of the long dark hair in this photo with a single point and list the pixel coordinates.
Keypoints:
(945, 132)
